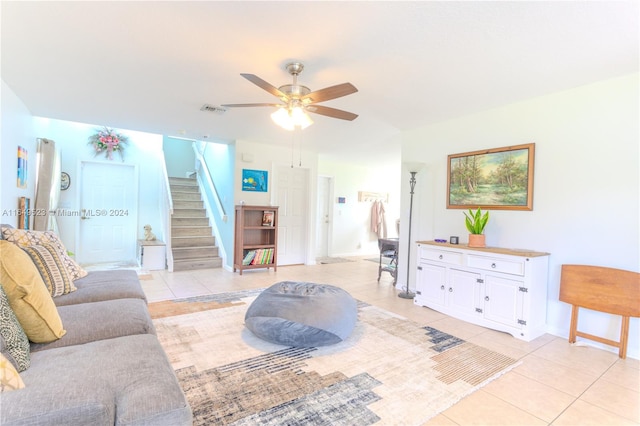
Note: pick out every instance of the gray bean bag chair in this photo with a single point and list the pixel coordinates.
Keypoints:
(302, 314)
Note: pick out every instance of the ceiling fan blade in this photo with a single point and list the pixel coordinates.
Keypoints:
(264, 85)
(249, 105)
(332, 92)
(332, 112)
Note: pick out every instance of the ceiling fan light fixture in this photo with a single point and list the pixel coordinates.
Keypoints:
(282, 119)
(301, 118)
(289, 120)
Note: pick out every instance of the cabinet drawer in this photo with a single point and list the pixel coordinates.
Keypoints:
(453, 258)
(497, 265)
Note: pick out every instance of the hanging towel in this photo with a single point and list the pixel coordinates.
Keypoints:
(378, 222)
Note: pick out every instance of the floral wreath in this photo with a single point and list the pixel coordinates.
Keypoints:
(108, 141)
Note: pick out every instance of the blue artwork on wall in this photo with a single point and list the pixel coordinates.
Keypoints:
(254, 180)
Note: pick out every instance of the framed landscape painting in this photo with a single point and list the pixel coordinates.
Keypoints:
(493, 179)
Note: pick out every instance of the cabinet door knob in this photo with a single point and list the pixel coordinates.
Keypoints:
(440, 257)
(441, 287)
(450, 289)
(486, 298)
(493, 265)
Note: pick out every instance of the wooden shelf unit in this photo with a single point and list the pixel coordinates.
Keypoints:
(252, 236)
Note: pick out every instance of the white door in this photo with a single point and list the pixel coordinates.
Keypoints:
(108, 202)
(292, 189)
(323, 218)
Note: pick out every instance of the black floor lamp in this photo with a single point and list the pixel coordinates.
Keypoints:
(413, 169)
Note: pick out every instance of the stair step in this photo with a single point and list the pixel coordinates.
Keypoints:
(183, 188)
(181, 204)
(191, 241)
(188, 221)
(185, 196)
(202, 252)
(192, 264)
(183, 180)
(182, 213)
(187, 231)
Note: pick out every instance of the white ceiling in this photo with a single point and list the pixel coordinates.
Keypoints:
(150, 66)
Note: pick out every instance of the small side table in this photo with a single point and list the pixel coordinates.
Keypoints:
(152, 255)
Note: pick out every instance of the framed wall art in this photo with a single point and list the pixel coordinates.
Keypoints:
(22, 167)
(254, 180)
(492, 179)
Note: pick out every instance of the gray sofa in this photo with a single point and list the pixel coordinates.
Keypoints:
(108, 369)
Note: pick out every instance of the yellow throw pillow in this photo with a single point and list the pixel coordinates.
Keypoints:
(28, 296)
(25, 238)
(9, 377)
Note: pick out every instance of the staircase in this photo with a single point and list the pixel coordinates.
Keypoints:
(192, 243)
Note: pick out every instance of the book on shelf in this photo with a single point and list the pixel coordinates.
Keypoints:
(248, 258)
(258, 257)
(267, 218)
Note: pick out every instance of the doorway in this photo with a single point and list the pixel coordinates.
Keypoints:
(323, 218)
(109, 212)
(291, 193)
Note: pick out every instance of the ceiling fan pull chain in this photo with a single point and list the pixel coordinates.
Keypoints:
(300, 146)
(292, 145)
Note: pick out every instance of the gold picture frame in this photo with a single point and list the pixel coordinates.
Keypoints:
(492, 179)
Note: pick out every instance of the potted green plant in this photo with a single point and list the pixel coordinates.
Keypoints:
(475, 222)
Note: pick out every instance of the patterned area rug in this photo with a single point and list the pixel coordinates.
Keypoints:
(389, 371)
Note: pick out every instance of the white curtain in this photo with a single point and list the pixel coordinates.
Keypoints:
(47, 186)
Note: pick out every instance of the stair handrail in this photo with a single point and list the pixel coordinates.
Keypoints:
(201, 164)
(166, 212)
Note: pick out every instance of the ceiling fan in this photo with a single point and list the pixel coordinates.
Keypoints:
(299, 99)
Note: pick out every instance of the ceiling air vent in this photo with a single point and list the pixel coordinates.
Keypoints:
(213, 108)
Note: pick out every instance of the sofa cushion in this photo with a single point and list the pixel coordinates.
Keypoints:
(9, 377)
(24, 238)
(28, 296)
(122, 381)
(48, 260)
(89, 322)
(104, 285)
(14, 344)
(302, 314)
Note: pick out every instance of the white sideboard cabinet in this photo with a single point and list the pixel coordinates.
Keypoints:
(501, 289)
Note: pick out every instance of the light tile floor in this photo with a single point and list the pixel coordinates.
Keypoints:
(557, 383)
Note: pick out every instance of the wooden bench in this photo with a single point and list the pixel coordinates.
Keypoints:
(609, 290)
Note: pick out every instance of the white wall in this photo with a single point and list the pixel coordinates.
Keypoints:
(143, 151)
(351, 230)
(586, 185)
(179, 156)
(16, 130)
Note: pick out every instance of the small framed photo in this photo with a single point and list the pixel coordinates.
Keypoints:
(267, 218)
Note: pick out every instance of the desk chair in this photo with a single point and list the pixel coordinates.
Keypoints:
(388, 250)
